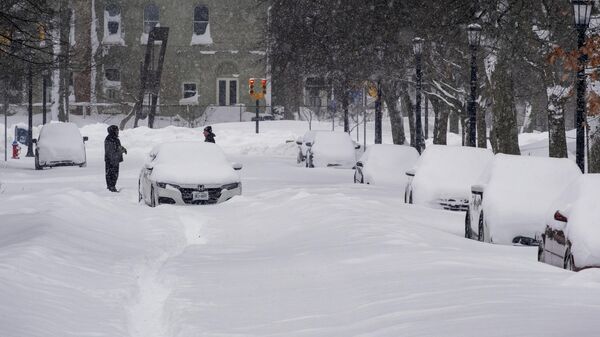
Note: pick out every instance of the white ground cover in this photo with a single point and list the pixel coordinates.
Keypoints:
(302, 253)
(581, 206)
(448, 172)
(520, 191)
(386, 164)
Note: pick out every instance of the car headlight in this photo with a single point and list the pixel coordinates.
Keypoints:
(166, 185)
(231, 186)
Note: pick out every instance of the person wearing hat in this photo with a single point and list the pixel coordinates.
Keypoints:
(113, 156)
(209, 136)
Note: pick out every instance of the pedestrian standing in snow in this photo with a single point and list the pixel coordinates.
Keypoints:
(209, 136)
(113, 156)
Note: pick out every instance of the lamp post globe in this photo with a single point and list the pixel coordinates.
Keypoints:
(582, 12)
(418, 50)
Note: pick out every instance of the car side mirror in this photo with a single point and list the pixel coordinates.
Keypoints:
(85, 138)
(237, 166)
(34, 141)
(411, 173)
(359, 164)
(308, 144)
(299, 141)
(357, 146)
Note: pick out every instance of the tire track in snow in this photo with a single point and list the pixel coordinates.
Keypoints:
(146, 314)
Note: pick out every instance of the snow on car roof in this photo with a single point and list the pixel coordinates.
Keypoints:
(520, 190)
(580, 204)
(386, 163)
(189, 152)
(448, 172)
(60, 130)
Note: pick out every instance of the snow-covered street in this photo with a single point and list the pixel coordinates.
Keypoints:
(303, 252)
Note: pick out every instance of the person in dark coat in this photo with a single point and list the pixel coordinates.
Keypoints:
(113, 156)
(209, 136)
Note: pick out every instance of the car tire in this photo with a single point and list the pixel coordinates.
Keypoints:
(152, 197)
(481, 228)
(410, 198)
(140, 196)
(356, 180)
(84, 164)
(37, 161)
(569, 261)
(541, 251)
(468, 229)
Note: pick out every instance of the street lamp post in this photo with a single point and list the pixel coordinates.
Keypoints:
(418, 49)
(474, 34)
(582, 10)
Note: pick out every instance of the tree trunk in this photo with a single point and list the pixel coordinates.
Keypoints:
(594, 159)
(504, 112)
(481, 127)
(396, 119)
(556, 124)
(64, 27)
(409, 109)
(440, 130)
(453, 121)
(345, 108)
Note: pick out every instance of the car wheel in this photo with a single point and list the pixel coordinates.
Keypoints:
(356, 180)
(152, 197)
(481, 229)
(569, 261)
(37, 161)
(410, 198)
(541, 251)
(140, 197)
(468, 230)
(299, 158)
(84, 164)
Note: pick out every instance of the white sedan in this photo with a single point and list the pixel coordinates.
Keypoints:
(509, 205)
(572, 236)
(385, 165)
(60, 144)
(188, 173)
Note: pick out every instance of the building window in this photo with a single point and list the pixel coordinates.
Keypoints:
(227, 91)
(112, 25)
(189, 90)
(200, 19)
(151, 17)
(112, 74)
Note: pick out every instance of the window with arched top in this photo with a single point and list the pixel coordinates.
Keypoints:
(151, 17)
(200, 19)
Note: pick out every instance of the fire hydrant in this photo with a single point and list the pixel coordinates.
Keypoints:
(16, 150)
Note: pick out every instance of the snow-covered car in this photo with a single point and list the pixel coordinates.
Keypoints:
(572, 236)
(188, 173)
(331, 149)
(385, 165)
(509, 203)
(308, 138)
(443, 175)
(60, 144)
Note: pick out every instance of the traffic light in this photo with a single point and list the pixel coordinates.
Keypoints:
(263, 83)
(251, 86)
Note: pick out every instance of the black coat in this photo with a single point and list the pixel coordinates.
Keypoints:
(113, 151)
(210, 138)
